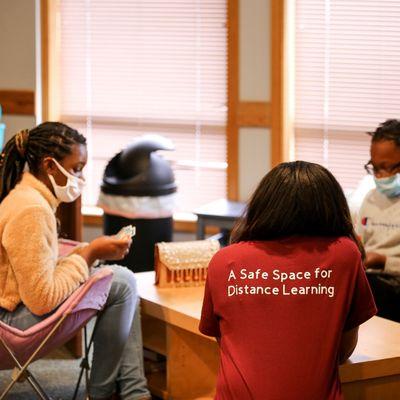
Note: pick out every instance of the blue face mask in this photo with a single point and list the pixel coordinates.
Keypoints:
(389, 186)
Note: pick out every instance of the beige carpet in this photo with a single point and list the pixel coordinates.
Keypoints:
(57, 377)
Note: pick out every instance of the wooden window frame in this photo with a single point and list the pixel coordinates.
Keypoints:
(240, 114)
(269, 114)
(50, 78)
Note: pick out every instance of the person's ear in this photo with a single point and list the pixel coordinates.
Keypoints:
(49, 166)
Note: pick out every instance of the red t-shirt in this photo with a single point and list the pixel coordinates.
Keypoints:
(280, 308)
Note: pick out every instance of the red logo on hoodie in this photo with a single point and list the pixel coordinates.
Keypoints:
(364, 221)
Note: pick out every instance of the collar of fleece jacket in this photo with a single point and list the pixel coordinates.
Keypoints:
(30, 180)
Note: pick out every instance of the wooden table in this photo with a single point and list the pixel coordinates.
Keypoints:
(170, 319)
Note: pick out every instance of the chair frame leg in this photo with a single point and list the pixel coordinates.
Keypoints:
(30, 378)
(37, 388)
(23, 368)
(27, 376)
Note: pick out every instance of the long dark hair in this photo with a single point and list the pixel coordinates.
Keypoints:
(296, 198)
(53, 139)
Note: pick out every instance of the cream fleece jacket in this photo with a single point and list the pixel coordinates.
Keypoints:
(30, 270)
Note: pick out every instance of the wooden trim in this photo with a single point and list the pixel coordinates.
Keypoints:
(18, 102)
(254, 113)
(179, 225)
(71, 220)
(185, 226)
(277, 80)
(44, 38)
(50, 42)
(233, 99)
(191, 227)
(92, 220)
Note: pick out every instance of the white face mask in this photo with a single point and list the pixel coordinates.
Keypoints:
(72, 190)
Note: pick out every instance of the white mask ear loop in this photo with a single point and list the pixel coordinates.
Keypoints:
(66, 173)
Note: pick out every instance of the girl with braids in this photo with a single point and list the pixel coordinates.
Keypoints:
(40, 168)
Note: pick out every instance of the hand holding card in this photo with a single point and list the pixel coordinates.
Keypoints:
(126, 232)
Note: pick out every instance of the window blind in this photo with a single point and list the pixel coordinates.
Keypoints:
(347, 80)
(130, 68)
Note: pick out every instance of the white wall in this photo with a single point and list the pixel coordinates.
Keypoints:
(254, 159)
(17, 55)
(254, 85)
(254, 47)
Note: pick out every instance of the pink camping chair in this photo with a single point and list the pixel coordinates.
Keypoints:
(19, 348)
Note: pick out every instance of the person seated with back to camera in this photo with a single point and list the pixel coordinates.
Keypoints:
(286, 298)
(34, 281)
(378, 221)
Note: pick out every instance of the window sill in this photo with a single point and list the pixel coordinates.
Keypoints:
(183, 222)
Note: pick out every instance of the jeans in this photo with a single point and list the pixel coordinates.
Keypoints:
(117, 364)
